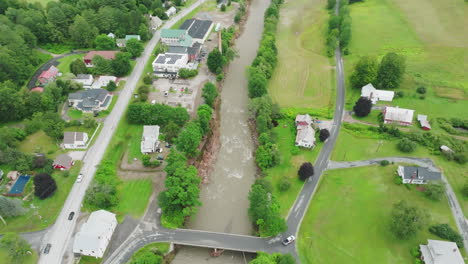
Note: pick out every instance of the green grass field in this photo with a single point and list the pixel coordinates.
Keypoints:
(134, 196)
(45, 211)
(289, 165)
(39, 142)
(347, 221)
(74, 113)
(304, 76)
(64, 66)
(5, 259)
(429, 34)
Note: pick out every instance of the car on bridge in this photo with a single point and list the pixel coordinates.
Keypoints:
(47, 249)
(288, 240)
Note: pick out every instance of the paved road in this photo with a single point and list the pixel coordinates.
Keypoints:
(60, 234)
(422, 162)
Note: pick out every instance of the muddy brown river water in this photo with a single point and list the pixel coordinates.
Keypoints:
(224, 198)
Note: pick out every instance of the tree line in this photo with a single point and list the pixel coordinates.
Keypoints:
(339, 27)
(216, 59)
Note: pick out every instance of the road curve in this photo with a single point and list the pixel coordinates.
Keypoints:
(59, 235)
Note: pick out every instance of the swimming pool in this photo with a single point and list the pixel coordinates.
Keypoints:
(18, 187)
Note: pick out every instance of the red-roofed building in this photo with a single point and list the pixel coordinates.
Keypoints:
(37, 89)
(106, 54)
(48, 76)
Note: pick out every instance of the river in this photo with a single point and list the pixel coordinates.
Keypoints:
(224, 198)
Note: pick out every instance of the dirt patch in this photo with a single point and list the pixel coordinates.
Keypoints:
(451, 93)
(137, 165)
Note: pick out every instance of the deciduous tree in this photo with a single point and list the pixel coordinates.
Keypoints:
(324, 134)
(362, 107)
(134, 47)
(11, 207)
(391, 71)
(78, 67)
(406, 220)
(189, 139)
(209, 93)
(215, 61)
(364, 72)
(305, 171)
(82, 33)
(104, 42)
(44, 185)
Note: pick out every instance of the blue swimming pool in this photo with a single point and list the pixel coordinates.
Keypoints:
(18, 188)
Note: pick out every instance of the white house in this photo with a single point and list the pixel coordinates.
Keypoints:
(149, 139)
(94, 236)
(417, 175)
(75, 140)
(369, 91)
(103, 81)
(305, 136)
(85, 79)
(440, 252)
(155, 22)
(396, 115)
(168, 65)
(111, 35)
(171, 11)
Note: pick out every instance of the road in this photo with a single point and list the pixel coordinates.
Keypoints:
(60, 233)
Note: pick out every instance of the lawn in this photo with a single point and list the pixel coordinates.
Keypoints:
(39, 142)
(106, 112)
(64, 66)
(304, 76)
(75, 113)
(347, 221)
(426, 32)
(5, 259)
(55, 48)
(43, 212)
(372, 118)
(134, 196)
(289, 165)
(90, 260)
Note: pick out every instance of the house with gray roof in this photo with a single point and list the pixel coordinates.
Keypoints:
(168, 65)
(440, 252)
(149, 139)
(63, 162)
(74, 140)
(198, 29)
(94, 235)
(417, 175)
(90, 100)
(192, 51)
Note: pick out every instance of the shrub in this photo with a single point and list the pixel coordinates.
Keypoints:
(406, 220)
(362, 107)
(223, 8)
(147, 79)
(66, 174)
(460, 157)
(400, 94)
(219, 77)
(295, 151)
(465, 190)
(305, 171)
(434, 191)
(444, 231)
(421, 90)
(187, 73)
(415, 252)
(398, 180)
(384, 162)
(284, 185)
(324, 134)
(406, 145)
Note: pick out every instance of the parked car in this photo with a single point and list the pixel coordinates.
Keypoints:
(70, 216)
(153, 102)
(47, 249)
(289, 240)
(166, 93)
(168, 145)
(80, 177)
(160, 157)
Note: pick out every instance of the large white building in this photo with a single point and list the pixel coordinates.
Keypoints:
(396, 115)
(369, 91)
(75, 140)
(168, 65)
(94, 236)
(149, 139)
(305, 136)
(441, 252)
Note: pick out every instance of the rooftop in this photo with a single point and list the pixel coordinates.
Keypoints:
(441, 252)
(399, 114)
(63, 159)
(196, 28)
(51, 72)
(168, 58)
(411, 172)
(72, 137)
(173, 33)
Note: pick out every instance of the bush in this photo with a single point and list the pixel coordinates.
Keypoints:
(406, 220)
(398, 180)
(324, 134)
(295, 151)
(44, 185)
(362, 107)
(415, 252)
(406, 145)
(434, 191)
(421, 90)
(384, 162)
(219, 77)
(111, 86)
(305, 171)
(209, 93)
(460, 157)
(223, 8)
(444, 231)
(187, 73)
(284, 185)
(400, 94)
(66, 174)
(147, 79)
(146, 160)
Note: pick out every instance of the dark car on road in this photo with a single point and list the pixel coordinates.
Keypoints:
(47, 249)
(70, 216)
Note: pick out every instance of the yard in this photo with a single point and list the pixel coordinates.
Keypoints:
(304, 76)
(64, 66)
(39, 142)
(134, 196)
(42, 213)
(347, 221)
(435, 50)
(74, 113)
(289, 164)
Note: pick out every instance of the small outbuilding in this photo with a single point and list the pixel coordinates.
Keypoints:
(424, 122)
(171, 11)
(85, 79)
(62, 162)
(446, 149)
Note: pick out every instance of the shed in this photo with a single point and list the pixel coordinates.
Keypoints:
(63, 162)
(424, 122)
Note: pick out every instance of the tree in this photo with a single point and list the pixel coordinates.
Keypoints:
(421, 90)
(102, 195)
(111, 86)
(189, 139)
(209, 93)
(44, 185)
(104, 42)
(215, 61)
(406, 145)
(434, 191)
(362, 107)
(17, 247)
(391, 70)
(223, 8)
(11, 108)
(257, 83)
(324, 134)
(82, 33)
(305, 171)
(121, 64)
(171, 131)
(53, 125)
(101, 65)
(148, 79)
(134, 47)
(406, 220)
(78, 67)
(266, 156)
(365, 72)
(11, 207)
(89, 121)
(204, 114)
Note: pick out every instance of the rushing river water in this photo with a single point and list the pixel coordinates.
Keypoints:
(224, 198)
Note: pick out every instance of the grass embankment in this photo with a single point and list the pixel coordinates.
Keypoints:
(435, 50)
(350, 148)
(289, 165)
(348, 219)
(5, 259)
(43, 213)
(304, 76)
(64, 63)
